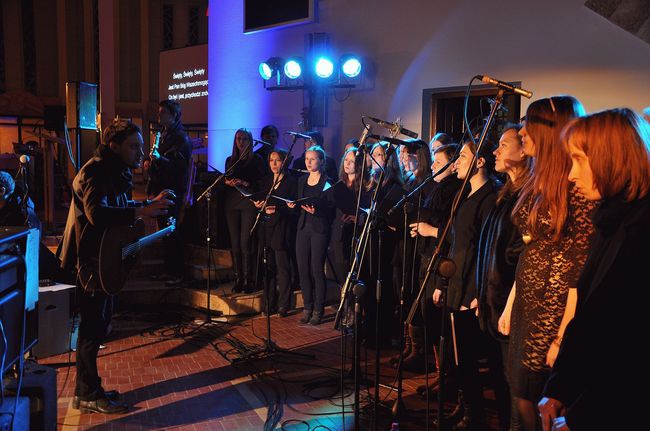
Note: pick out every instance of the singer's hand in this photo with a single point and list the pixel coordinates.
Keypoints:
(504, 323)
(232, 182)
(309, 208)
(551, 355)
(165, 194)
(348, 218)
(549, 410)
(291, 205)
(258, 204)
(437, 295)
(270, 210)
(146, 165)
(423, 229)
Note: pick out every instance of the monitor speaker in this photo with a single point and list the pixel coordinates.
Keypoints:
(81, 105)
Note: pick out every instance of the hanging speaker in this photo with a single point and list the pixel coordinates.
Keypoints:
(81, 105)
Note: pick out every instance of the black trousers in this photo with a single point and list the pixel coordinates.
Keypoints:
(277, 273)
(311, 249)
(96, 310)
(240, 222)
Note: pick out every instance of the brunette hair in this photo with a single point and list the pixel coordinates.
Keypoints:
(357, 168)
(548, 186)
(235, 151)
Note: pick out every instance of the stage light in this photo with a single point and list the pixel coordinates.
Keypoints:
(351, 66)
(324, 68)
(270, 67)
(293, 69)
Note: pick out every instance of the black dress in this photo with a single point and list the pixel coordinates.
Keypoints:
(546, 271)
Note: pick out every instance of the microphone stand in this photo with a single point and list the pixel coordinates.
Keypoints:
(269, 347)
(399, 408)
(446, 268)
(207, 194)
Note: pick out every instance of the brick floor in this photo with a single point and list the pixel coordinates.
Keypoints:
(188, 383)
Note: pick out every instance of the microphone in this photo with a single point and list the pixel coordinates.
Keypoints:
(505, 86)
(24, 159)
(298, 171)
(411, 146)
(298, 135)
(259, 141)
(394, 126)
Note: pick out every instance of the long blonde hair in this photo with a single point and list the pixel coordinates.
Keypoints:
(548, 187)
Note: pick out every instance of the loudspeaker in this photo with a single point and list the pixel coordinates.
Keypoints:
(81, 105)
(53, 320)
(39, 384)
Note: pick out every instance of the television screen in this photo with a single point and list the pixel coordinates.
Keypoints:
(266, 14)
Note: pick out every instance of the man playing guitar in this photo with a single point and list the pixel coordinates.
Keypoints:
(100, 202)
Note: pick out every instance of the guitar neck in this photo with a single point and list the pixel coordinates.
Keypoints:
(145, 241)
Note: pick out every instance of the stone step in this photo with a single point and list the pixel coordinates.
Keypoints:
(222, 299)
(219, 273)
(198, 255)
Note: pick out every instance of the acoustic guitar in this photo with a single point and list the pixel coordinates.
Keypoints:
(119, 247)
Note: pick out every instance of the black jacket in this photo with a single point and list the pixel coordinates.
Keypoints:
(170, 170)
(285, 189)
(498, 254)
(598, 373)
(99, 198)
(466, 231)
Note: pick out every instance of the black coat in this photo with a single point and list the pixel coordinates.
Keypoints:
(598, 373)
(170, 170)
(99, 198)
(498, 254)
(466, 231)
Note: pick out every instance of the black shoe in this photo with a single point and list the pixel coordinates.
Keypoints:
(174, 281)
(282, 312)
(102, 405)
(161, 277)
(306, 316)
(316, 318)
(111, 395)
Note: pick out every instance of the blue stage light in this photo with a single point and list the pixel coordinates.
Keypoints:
(351, 66)
(270, 67)
(265, 71)
(292, 69)
(324, 68)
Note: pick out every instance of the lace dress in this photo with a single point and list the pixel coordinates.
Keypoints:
(545, 272)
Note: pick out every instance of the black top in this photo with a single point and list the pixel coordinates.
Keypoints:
(286, 188)
(600, 364)
(498, 253)
(321, 219)
(436, 208)
(465, 234)
(170, 170)
(251, 170)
